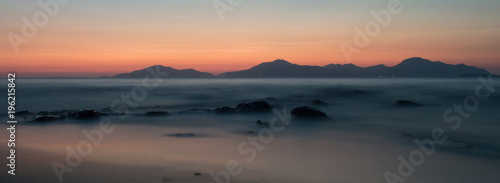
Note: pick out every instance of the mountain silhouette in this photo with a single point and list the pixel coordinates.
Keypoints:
(412, 67)
(419, 67)
(172, 73)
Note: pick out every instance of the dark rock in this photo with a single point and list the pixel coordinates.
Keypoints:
(44, 113)
(156, 113)
(62, 113)
(188, 135)
(407, 103)
(254, 107)
(184, 135)
(251, 132)
(197, 174)
(306, 112)
(319, 103)
(46, 118)
(86, 114)
(224, 110)
(260, 123)
(24, 113)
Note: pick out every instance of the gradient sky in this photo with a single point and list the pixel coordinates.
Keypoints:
(105, 37)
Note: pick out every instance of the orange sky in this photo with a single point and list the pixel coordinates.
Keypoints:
(82, 41)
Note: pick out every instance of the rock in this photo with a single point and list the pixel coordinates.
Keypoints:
(197, 174)
(184, 134)
(319, 103)
(251, 132)
(260, 123)
(46, 118)
(306, 112)
(224, 110)
(254, 107)
(194, 110)
(86, 114)
(407, 103)
(24, 113)
(156, 113)
(44, 113)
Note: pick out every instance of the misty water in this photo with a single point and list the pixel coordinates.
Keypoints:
(362, 141)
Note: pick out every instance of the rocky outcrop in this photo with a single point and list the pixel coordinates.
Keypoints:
(306, 112)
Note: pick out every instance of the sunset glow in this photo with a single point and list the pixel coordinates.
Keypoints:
(95, 38)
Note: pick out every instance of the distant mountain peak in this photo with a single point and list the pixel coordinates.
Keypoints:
(415, 60)
(275, 64)
(279, 61)
(341, 66)
(172, 73)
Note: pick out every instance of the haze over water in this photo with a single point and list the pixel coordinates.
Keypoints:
(366, 135)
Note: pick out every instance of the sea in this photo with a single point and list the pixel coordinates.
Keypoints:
(452, 136)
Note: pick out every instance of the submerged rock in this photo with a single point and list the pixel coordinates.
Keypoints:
(46, 118)
(156, 113)
(254, 107)
(24, 113)
(184, 135)
(260, 123)
(86, 114)
(306, 112)
(197, 174)
(319, 103)
(407, 103)
(224, 110)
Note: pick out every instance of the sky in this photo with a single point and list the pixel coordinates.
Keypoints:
(93, 38)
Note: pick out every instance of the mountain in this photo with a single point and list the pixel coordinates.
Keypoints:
(277, 68)
(412, 67)
(172, 73)
(419, 67)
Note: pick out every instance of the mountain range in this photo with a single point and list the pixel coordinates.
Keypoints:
(412, 67)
